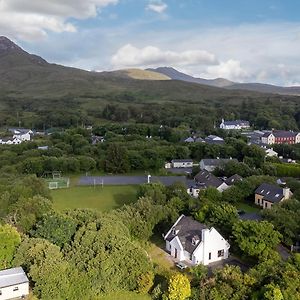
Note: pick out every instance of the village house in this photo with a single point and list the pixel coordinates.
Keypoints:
(195, 243)
(182, 163)
(14, 284)
(204, 180)
(266, 195)
(232, 180)
(270, 152)
(234, 125)
(10, 141)
(21, 133)
(214, 140)
(280, 137)
(210, 164)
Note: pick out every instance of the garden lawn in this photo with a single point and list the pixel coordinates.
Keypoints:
(102, 199)
(124, 296)
(247, 207)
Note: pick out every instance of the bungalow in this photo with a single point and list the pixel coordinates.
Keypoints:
(267, 194)
(234, 125)
(10, 141)
(182, 163)
(214, 140)
(211, 164)
(270, 152)
(195, 243)
(13, 284)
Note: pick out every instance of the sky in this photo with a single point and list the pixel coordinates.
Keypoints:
(241, 40)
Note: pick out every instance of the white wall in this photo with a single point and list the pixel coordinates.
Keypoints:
(182, 164)
(9, 293)
(212, 243)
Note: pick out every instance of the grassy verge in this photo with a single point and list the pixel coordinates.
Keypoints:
(248, 208)
(124, 296)
(102, 199)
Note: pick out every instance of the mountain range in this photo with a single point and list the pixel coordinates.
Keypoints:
(23, 74)
(227, 84)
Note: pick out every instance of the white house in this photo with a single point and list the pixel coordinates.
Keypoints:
(21, 133)
(211, 164)
(182, 163)
(234, 125)
(214, 140)
(10, 141)
(13, 284)
(195, 243)
(270, 152)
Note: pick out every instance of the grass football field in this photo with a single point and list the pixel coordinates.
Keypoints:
(102, 199)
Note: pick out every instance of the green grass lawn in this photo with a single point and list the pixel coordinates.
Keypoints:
(247, 207)
(102, 199)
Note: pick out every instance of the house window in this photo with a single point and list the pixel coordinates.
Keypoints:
(221, 253)
(15, 289)
(209, 256)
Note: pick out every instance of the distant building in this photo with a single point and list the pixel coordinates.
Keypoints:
(193, 139)
(270, 152)
(195, 243)
(10, 141)
(211, 164)
(14, 284)
(182, 163)
(233, 179)
(266, 195)
(234, 125)
(96, 139)
(22, 134)
(214, 140)
(280, 137)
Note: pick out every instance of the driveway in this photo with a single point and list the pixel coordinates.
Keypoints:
(251, 216)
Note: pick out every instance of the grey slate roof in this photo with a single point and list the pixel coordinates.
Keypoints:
(281, 133)
(12, 277)
(205, 179)
(233, 179)
(182, 160)
(188, 229)
(217, 162)
(270, 192)
(237, 122)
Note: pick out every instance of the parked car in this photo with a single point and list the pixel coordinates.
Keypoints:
(181, 266)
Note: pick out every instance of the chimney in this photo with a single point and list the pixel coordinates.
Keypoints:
(205, 233)
(286, 193)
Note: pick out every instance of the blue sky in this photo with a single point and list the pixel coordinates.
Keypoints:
(236, 39)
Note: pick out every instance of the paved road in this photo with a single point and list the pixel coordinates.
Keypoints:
(251, 216)
(129, 180)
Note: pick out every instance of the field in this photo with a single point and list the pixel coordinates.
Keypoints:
(102, 199)
(125, 296)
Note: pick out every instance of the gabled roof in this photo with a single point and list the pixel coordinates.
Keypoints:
(12, 276)
(270, 192)
(233, 179)
(181, 160)
(236, 123)
(205, 179)
(187, 229)
(281, 134)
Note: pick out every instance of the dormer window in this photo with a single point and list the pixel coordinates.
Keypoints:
(277, 195)
(195, 240)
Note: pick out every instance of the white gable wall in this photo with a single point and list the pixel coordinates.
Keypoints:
(15, 291)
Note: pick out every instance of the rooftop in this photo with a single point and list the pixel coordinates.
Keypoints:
(12, 276)
(270, 192)
(206, 179)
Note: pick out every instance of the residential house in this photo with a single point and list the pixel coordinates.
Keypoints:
(195, 243)
(194, 139)
(97, 139)
(266, 195)
(280, 137)
(270, 152)
(214, 140)
(204, 180)
(10, 141)
(233, 179)
(182, 163)
(13, 284)
(211, 164)
(234, 125)
(22, 134)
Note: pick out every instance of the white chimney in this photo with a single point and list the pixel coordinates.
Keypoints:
(286, 193)
(205, 233)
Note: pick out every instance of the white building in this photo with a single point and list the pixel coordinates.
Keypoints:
(195, 243)
(21, 133)
(210, 164)
(271, 153)
(182, 163)
(234, 125)
(13, 284)
(10, 141)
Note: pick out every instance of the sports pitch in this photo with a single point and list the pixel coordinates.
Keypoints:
(100, 198)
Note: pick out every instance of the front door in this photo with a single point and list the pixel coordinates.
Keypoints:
(175, 253)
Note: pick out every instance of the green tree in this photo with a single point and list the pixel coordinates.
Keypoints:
(272, 292)
(179, 287)
(9, 241)
(256, 238)
(145, 282)
(116, 159)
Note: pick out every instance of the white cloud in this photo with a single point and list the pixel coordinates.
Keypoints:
(32, 19)
(230, 69)
(157, 6)
(131, 56)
